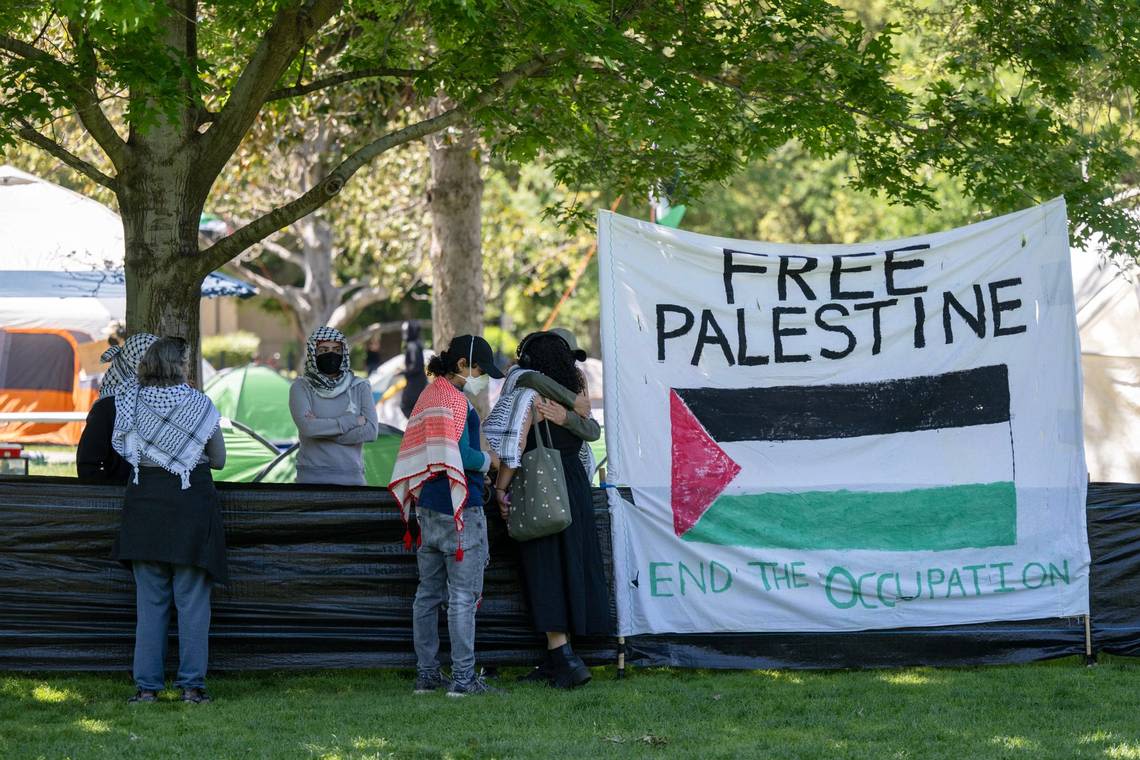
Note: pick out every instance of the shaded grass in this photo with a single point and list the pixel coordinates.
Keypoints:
(1053, 710)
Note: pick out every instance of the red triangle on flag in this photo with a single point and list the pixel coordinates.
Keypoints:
(701, 470)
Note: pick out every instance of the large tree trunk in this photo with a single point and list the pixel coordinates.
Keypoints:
(456, 195)
(164, 281)
(160, 201)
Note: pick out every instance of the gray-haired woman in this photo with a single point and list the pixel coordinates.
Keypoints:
(171, 534)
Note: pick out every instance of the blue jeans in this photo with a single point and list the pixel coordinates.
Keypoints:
(459, 583)
(158, 586)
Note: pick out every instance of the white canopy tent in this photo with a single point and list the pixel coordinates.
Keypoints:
(1107, 298)
(61, 260)
(60, 246)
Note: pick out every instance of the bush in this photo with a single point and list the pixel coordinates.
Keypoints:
(500, 340)
(232, 349)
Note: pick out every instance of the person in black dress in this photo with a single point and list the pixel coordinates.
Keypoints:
(562, 573)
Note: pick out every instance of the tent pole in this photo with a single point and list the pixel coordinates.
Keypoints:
(621, 658)
(1090, 656)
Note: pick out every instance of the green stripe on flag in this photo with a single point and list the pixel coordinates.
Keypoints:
(925, 519)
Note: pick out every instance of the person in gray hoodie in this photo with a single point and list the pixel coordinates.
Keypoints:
(334, 413)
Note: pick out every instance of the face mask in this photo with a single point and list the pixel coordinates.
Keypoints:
(329, 364)
(476, 385)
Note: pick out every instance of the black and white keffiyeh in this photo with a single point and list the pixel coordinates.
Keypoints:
(168, 425)
(124, 361)
(323, 385)
(503, 427)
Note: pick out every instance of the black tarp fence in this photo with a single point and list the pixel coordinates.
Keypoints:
(320, 579)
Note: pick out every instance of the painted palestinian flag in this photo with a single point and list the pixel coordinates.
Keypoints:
(910, 464)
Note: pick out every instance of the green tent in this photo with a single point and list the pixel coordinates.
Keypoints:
(257, 397)
(379, 458)
(247, 453)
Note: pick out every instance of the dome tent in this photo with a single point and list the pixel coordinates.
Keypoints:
(247, 453)
(258, 397)
(62, 287)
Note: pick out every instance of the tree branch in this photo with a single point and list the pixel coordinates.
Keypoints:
(372, 329)
(227, 248)
(335, 79)
(28, 134)
(29, 52)
(283, 253)
(356, 303)
(292, 27)
(83, 95)
(283, 293)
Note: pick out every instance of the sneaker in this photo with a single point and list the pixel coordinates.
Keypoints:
(426, 683)
(196, 696)
(143, 695)
(473, 687)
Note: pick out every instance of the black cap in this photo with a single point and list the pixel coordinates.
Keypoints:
(477, 351)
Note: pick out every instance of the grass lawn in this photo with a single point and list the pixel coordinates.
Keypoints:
(47, 459)
(1051, 710)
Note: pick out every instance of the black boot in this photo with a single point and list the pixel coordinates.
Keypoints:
(567, 668)
(539, 673)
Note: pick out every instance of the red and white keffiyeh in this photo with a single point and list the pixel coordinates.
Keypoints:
(430, 448)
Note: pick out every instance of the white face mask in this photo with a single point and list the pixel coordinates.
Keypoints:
(473, 386)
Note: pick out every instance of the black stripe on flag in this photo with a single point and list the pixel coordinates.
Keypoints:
(795, 413)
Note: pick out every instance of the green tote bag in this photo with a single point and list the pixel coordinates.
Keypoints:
(539, 504)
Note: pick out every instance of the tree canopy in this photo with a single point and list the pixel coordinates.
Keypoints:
(614, 95)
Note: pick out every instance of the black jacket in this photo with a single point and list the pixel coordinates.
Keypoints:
(95, 460)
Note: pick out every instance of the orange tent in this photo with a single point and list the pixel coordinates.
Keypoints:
(40, 372)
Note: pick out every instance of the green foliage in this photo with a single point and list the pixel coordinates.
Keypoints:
(794, 198)
(230, 349)
(501, 340)
(617, 96)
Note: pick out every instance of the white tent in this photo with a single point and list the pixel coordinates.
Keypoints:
(61, 260)
(61, 246)
(1108, 318)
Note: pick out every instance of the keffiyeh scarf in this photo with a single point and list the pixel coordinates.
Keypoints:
(506, 421)
(431, 447)
(169, 426)
(124, 361)
(323, 385)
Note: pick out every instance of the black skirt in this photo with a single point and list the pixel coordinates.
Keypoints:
(563, 578)
(161, 522)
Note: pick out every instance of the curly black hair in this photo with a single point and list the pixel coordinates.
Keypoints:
(443, 364)
(549, 354)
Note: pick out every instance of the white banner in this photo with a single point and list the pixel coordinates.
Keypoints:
(844, 437)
